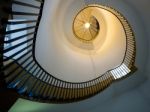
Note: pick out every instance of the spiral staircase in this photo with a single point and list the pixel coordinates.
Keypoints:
(21, 71)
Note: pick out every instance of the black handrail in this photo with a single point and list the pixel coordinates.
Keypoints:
(37, 84)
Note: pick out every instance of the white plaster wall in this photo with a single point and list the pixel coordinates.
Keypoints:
(128, 95)
(68, 62)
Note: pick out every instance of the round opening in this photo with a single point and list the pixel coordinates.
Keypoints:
(85, 26)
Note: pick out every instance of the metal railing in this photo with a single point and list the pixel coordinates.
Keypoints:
(24, 74)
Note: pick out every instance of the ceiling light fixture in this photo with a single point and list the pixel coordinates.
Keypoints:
(87, 25)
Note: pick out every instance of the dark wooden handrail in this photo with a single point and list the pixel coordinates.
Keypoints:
(31, 81)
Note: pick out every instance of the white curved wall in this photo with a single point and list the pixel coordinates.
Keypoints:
(128, 95)
(68, 62)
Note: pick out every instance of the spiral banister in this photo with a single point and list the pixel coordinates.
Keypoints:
(23, 73)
